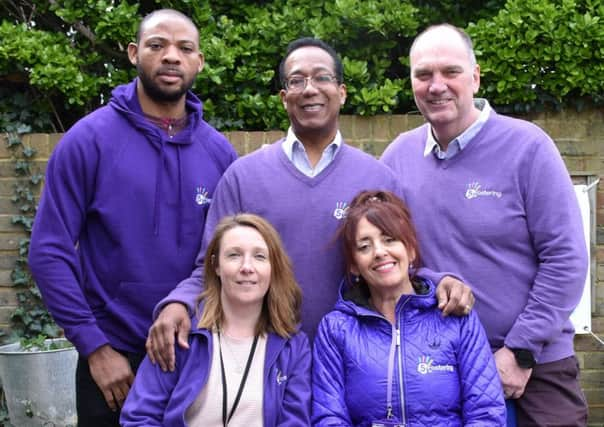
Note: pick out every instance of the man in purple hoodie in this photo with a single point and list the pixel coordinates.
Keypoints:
(491, 197)
(123, 210)
(302, 184)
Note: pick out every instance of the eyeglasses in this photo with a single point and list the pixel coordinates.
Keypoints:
(299, 83)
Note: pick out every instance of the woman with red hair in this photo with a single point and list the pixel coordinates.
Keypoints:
(386, 356)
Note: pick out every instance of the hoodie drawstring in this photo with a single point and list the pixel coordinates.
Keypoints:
(180, 236)
(158, 186)
(158, 194)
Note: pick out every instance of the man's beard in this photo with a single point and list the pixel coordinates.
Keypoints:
(159, 95)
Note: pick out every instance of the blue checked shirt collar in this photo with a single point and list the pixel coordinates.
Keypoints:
(462, 140)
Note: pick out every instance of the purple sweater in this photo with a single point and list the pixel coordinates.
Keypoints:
(121, 219)
(504, 214)
(306, 211)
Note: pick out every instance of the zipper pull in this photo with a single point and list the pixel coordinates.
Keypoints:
(398, 337)
(389, 413)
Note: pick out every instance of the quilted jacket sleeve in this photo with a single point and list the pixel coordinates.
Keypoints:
(481, 390)
(329, 406)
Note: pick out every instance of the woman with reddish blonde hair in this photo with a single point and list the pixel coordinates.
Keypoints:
(385, 356)
(247, 364)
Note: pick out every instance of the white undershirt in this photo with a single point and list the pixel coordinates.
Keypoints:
(206, 410)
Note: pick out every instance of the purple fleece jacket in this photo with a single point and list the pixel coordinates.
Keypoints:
(306, 211)
(160, 398)
(121, 219)
(504, 214)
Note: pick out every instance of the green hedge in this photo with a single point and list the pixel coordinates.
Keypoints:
(542, 52)
(533, 54)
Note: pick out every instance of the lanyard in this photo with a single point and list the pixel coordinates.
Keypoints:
(225, 420)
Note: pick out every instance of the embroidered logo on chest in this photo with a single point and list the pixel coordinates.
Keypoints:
(201, 196)
(475, 190)
(426, 365)
(340, 211)
(281, 378)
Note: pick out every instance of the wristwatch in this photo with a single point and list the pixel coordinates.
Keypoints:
(524, 358)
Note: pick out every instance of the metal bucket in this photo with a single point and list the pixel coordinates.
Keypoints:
(39, 385)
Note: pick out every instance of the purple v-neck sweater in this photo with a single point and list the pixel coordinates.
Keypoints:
(503, 214)
(306, 211)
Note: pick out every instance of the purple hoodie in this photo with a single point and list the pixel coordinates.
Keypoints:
(121, 218)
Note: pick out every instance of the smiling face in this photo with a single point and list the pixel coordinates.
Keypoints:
(243, 266)
(444, 80)
(381, 260)
(314, 111)
(167, 58)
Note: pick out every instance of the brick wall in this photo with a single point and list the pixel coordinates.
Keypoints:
(579, 136)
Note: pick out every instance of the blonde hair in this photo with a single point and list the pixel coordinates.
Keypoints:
(281, 307)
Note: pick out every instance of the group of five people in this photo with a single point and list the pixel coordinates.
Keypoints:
(143, 191)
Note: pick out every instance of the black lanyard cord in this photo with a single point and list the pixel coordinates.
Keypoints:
(225, 420)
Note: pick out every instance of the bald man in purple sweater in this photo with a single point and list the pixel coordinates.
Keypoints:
(492, 199)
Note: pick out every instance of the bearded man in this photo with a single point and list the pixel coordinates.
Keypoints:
(123, 210)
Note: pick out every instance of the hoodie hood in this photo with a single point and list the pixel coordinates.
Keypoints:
(124, 99)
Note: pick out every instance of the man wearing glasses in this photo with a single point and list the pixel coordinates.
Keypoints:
(302, 184)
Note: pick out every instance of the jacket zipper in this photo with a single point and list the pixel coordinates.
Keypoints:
(400, 366)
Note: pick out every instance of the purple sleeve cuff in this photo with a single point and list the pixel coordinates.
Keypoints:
(185, 293)
(87, 339)
(435, 276)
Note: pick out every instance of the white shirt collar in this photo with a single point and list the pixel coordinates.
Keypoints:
(292, 142)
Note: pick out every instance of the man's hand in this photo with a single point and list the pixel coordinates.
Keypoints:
(513, 377)
(454, 297)
(172, 320)
(112, 373)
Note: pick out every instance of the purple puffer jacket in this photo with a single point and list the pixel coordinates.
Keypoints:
(160, 398)
(443, 372)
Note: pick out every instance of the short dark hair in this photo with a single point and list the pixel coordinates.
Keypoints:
(312, 42)
(172, 12)
(385, 211)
